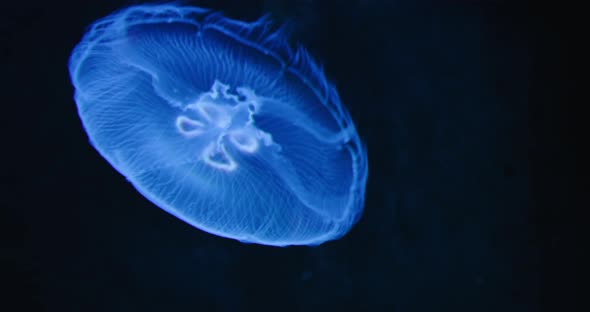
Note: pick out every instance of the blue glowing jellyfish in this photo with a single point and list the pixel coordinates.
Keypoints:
(221, 123)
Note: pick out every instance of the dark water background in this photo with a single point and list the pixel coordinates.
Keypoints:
(469, 196)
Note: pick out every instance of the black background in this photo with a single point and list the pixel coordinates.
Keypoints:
(470, 201)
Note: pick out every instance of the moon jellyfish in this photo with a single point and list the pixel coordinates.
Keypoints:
(221, 123)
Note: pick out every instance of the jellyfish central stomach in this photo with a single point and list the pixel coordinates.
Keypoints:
(220, 118)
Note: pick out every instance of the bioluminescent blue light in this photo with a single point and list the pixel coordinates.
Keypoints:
(221, 123)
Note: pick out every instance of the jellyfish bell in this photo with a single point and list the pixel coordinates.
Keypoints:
(220, 123)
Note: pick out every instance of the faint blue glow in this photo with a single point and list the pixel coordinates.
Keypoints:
(221, 123)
